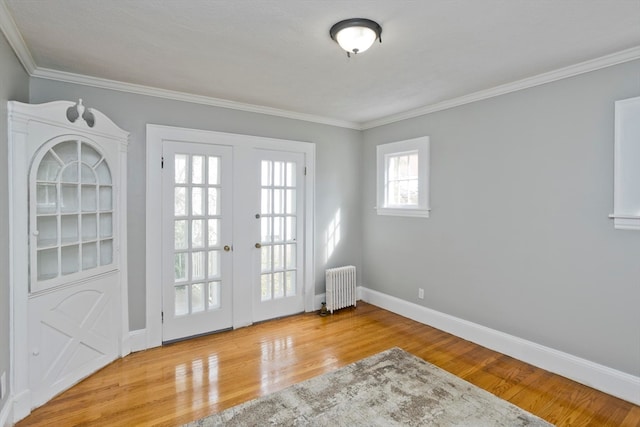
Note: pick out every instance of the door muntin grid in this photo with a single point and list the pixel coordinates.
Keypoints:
(72, 215)
(197, 220)
(278, 228)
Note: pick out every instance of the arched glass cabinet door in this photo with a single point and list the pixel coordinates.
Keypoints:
(72, 215)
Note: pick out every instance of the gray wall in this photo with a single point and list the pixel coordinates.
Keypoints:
(14, 85)
(519, 239)
(337, 166)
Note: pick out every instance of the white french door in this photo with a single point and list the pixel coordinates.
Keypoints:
(197, 236)
(278, 281)
(229, 230)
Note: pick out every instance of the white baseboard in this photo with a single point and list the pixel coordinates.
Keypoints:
(138, 340)
(600, 377)
(6, 414)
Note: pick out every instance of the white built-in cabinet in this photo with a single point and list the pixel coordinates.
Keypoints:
(68, 267)
(626, 210)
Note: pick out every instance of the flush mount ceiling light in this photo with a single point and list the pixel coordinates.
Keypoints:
(356, 35)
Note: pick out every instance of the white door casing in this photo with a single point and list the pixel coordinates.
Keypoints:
(69, 313)
(244, 208)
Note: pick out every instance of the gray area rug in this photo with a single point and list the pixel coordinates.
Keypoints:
(392, 388)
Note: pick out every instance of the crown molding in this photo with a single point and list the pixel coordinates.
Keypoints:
(540, 79)
(10, 31)
(63, 76)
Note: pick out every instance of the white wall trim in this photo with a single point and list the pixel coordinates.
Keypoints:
(10, 31)
(6, 413)
(540, 79)
(62, 76)
(600, 377)
(138, 340)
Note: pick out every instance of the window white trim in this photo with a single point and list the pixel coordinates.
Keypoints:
(384, 151)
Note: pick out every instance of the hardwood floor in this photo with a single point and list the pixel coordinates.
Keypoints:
(184, 381)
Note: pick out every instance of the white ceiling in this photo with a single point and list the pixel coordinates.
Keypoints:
(278, 53)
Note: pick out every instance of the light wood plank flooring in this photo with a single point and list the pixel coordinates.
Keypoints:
(181, 382)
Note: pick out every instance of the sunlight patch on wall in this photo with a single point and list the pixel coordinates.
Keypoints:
(332, 235)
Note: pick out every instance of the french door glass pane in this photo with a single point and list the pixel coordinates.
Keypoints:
(290, 233)
(180, 267)
(213, 232)
(290, 257)
(265, 287)
(278, 229)
(181, 233)
(197, 233)
(278, 225)
(213, 295)
(181, 295)
(278, 257)
(266, 234)
(197, 264)
(265, 263)
(197, 199)
(197, 202)
(180, 167)
(197, 169)
(213, 207)
(214, 170)
(180, 201)
(290, 283)
(197, 297)
(214, 264)
(278, 285)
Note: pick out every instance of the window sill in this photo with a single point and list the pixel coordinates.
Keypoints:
(408, 212)
(626, 222)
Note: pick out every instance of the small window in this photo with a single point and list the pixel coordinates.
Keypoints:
(403, 178)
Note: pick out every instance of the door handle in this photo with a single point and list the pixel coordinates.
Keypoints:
(227, 248)
(258, 245)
